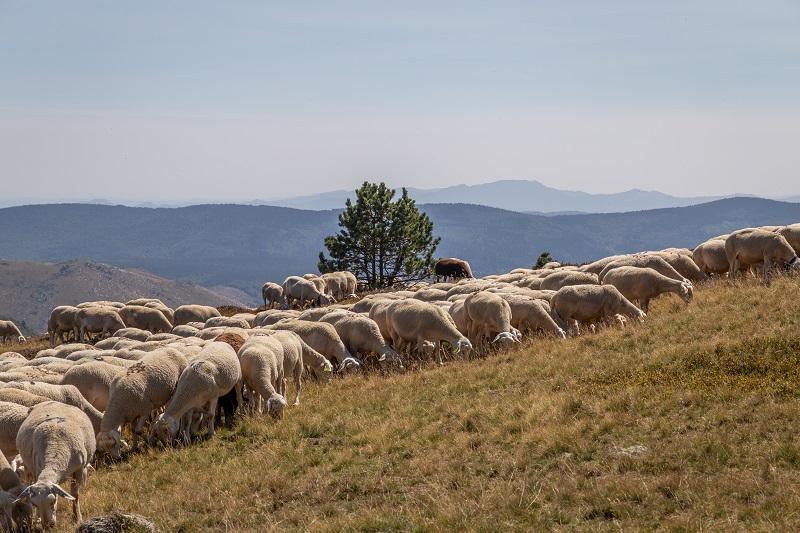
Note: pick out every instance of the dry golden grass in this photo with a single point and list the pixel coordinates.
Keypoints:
(688, 422)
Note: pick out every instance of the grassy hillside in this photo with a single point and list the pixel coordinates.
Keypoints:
(243, 246)
(687, 422)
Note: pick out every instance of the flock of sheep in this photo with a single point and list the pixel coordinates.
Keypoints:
(171, 375)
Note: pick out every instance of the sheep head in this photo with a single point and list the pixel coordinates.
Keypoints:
(505, 338)
(687, 292)
(561, 333)
(324, 372)
(350, 364)
(165, 428)
(795, 262)
(275, 406)
(110, 442)
(463, 346)
(44, 496)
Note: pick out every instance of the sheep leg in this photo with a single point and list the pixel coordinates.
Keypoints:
(298, 383)
(211, 410)
(78, 478)
(138, 431)
(766, 271)
(282, 387)
(644, 303)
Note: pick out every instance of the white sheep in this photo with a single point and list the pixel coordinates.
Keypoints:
(194, 313)
(61, 322)
(261, 359)
(489, 317)
(9, 330)
(12, 415)
(102, 320)
(644, 284)
(272, 294)
(145, 318)
(751, 247)
(590, 303)
(93, 379)
(323, 338)
(361, 335)
(57, 444)
(212, 373)
(67, 394)
(644, 261)
(412, 323)
(304, 291)
(145, 387)
(792, 235)
(15, 511)
(531, 314)
(565, 278)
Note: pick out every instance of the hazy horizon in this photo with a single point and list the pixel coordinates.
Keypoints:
(185, 102)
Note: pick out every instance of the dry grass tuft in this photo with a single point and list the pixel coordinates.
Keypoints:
(688, 422)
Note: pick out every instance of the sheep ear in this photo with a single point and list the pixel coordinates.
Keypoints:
(58, 491)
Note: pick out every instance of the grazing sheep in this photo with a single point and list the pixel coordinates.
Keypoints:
(792, 235)
(683, 264)
(185, 331)
(9, 330)
(297, 289)
(166, 311)
(489, 317)
(323, 338)
(145, 387)
(146, 318)
(101, 320)
(194, 313)
(361, 335)
(211, 374)
(227, 322)
(565, 278)
(294, 346)
(430, 295)
(589, 304)
(250, 318)
(412, 323)
(93, 379)
(21, 397)
(61, 322)
(57, 444)
(271, 316)
(133, 334)
(531, 314)
(597, 266)
(261, 359)
(15, 512)
(67, 394)
(451, 268)
(318, 282)
(751, 247)
(644, 261)
(272, 294)
(644, 284)
(468, 288)
(12, 415)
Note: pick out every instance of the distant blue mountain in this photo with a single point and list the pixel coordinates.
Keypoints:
(514, 195)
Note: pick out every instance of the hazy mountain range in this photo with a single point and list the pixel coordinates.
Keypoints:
(514, 195)
(527, 196)
(242, 246)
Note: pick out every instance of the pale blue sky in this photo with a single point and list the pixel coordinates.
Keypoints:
(175, 101)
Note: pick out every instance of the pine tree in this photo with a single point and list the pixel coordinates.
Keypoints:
(383, 242)
(542, 260)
